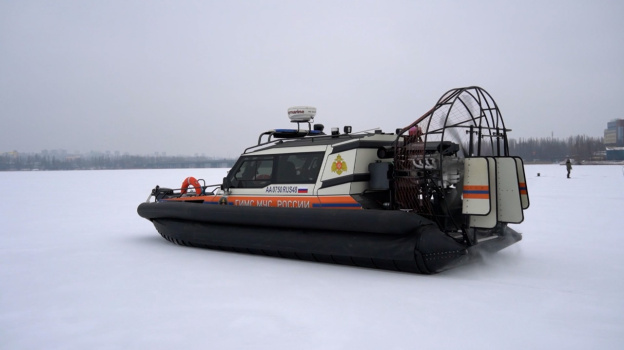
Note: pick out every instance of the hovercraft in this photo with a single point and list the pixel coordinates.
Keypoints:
(422, 199)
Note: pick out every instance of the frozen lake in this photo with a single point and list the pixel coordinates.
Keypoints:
(79, 269)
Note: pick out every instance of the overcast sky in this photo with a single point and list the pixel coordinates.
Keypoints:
(187, 77)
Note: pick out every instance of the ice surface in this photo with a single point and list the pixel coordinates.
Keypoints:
(79, 269)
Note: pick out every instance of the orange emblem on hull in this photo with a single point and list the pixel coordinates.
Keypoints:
(339, 165)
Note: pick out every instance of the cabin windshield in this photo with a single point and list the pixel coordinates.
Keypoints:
(261, 171)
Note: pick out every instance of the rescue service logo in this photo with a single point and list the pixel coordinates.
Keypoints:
(339, 165)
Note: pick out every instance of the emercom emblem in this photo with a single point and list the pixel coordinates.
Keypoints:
(339, 165)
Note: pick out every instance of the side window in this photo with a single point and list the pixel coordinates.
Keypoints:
(298, 167)
(313, 166)
(258, 171)
(253, 172)
(286, 169)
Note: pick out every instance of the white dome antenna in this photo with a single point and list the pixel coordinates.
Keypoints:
(301, 114)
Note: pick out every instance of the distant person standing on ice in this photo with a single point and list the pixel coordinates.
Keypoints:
(568, 167)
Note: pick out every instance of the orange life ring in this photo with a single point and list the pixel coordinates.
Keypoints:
(190, 181)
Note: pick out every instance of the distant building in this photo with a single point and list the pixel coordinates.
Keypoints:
(614, 139)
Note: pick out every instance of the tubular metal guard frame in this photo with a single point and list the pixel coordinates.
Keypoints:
(468, 117)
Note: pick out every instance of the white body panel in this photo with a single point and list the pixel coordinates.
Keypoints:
(338, 165)
(509, 205)
(503, 180)
(490, 220)
(476, 181)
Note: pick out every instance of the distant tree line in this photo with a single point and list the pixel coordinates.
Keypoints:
(531, 150)
(18, 161)
(553, 150)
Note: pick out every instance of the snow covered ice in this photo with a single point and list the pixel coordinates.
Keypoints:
(79, 269)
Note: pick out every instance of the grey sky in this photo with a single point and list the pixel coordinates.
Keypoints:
(187, 77)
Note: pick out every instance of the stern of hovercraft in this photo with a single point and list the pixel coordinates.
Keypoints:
(453, 166)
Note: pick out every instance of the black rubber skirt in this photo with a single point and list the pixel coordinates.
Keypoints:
(383, 239)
